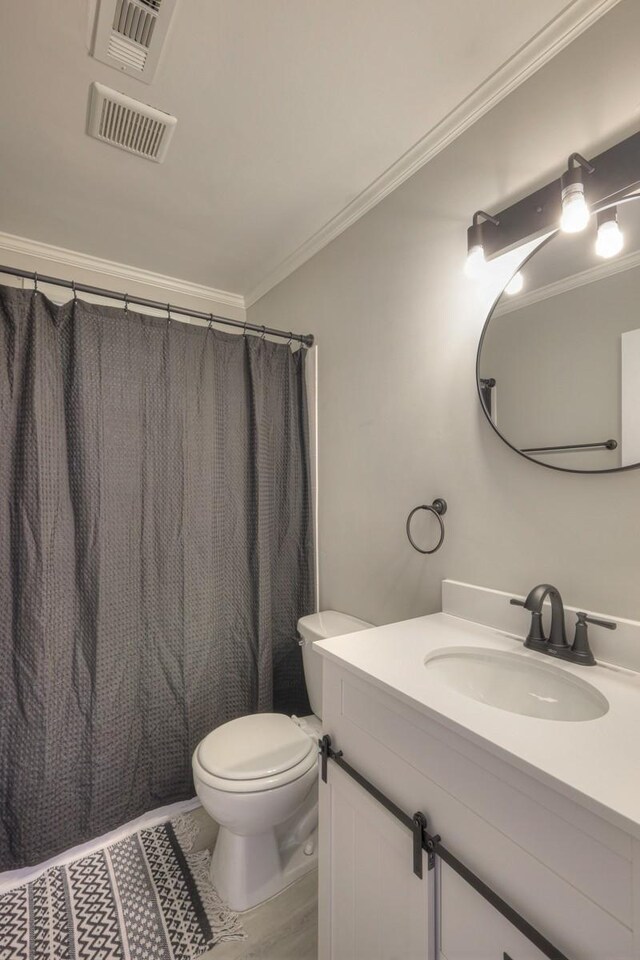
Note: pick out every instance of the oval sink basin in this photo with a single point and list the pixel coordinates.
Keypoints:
(517, 684)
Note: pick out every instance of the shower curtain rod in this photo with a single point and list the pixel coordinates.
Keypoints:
(306, 338)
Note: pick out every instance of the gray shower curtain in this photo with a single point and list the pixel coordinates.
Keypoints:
(155, 555)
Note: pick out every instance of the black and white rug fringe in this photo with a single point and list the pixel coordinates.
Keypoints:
(146, 897)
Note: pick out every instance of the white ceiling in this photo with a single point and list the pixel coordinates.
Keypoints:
(287, 111)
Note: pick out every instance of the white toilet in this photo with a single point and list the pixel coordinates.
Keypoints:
(257, 777)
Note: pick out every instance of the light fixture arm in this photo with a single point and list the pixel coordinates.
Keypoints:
(475, 233)
(486, 216)
(573, 174)
(577, 160)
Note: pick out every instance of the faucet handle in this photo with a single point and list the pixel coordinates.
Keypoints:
(585, 618)
(581, 651)
(535, 638)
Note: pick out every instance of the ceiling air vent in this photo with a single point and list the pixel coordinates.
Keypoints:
(129, 34)
(129, 124)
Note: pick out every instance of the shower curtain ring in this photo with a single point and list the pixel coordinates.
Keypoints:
(126, 303)
(210, 322)
(244, 329)
(168, 314)
(35, 282)
(263, 332)
(290, 338)
(75, 292)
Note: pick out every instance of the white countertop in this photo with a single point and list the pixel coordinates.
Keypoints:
(596, 762)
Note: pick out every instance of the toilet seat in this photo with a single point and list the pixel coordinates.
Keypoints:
(254, 753)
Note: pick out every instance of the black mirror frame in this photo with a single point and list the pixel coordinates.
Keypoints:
(525, 456)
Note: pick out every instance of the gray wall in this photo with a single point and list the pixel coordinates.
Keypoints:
(398, 327)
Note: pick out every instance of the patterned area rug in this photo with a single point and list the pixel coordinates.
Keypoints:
(143, 898)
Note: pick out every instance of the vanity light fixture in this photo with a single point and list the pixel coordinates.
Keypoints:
(476, 262)
(575, 211)
(567, 201)
(610, 240)
(515, 285)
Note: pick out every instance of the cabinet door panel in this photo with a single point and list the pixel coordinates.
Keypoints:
(470, 928)
(372, 906)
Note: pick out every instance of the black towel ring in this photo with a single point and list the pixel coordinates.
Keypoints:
(438, 508)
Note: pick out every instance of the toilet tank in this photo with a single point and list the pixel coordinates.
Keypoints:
(321, 626)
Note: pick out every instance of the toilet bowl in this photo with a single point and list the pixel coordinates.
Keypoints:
(257, 776)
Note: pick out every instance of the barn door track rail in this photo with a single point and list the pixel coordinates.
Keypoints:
(432, 844)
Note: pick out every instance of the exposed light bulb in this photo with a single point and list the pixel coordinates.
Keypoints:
(610, 239)
(515, 285)
(575, 212)
(475, 264)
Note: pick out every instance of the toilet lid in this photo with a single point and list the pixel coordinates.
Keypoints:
(252, 747)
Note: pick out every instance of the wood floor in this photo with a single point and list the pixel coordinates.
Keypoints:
(284, 928)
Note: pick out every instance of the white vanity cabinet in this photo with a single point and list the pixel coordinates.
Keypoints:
(366, 855)
(570, 873)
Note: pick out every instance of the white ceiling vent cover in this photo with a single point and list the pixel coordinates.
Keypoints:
(129, 124)
(129, 34)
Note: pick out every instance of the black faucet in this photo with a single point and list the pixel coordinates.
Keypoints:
(556, 644)
(557, 634)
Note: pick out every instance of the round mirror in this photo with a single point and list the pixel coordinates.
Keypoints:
(559, 358)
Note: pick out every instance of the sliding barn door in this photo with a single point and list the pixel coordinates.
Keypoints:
(372, 906)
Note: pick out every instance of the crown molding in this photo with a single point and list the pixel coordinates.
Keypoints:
(120, 271)
(591, 275)
(553, 38)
